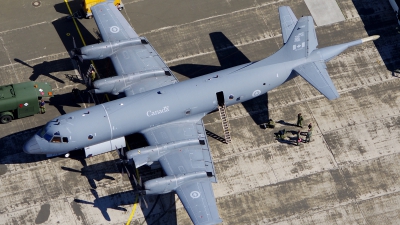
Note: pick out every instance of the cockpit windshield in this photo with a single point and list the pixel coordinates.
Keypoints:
(41, 132)
(47, 136)
(55, 138)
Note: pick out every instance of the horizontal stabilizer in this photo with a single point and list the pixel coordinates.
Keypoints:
(288, 22)
(317, 75)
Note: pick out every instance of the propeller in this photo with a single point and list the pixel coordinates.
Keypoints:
(140, 191)
(76, 53)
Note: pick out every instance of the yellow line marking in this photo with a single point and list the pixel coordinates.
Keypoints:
(80, 35)
(133, 210)
(84, 43)
(73, 19)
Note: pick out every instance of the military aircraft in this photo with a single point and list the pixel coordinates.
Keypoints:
(169, 113)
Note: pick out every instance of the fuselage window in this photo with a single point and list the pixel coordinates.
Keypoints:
(231, 97)
(56, 139)
(65, 139)
(90, 137)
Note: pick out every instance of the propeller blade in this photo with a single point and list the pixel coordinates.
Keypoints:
(73, 42)
(144, 201)
(134, 179)
(127, 171)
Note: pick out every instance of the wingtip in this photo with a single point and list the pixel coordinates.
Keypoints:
(371, 38)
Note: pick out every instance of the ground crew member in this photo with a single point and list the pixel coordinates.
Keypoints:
(271, 123)
(298, 139)
(93, 75)
(42, 106)
(310, 127)
(281, 134)
(308, 137)
(75, 92)
(299, 120)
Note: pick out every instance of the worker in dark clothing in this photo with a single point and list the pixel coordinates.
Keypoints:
(299, 120)
(281, 134)
(310, 127)
(75, 92)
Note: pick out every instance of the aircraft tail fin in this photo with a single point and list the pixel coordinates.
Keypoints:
(288, 22)
(298, 35)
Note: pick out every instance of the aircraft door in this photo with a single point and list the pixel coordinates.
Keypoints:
(220, 98)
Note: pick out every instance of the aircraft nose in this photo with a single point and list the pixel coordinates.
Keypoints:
(32, 146)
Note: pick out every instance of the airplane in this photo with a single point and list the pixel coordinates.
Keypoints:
(169, 113)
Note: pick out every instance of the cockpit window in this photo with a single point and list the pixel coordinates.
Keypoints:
(65, 139)
(56, 139)
(47, 137)
(41, 132)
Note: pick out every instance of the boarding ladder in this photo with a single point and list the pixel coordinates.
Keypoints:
(225, 123)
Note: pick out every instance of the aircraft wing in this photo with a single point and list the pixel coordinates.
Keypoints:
(141, 62)
(197, 196)
(317, 75)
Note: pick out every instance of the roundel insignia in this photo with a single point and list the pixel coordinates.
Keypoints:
(194, 194)
(256, 93)
(114, 29)
(26, 104)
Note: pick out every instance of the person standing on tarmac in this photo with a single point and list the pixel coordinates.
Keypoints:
(299, 120)
(42, 106)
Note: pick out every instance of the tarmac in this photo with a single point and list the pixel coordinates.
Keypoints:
(348, 174)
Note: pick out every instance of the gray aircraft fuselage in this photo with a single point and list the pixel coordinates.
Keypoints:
(135, 113)
(196, 96)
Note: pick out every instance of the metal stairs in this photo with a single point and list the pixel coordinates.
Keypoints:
(225, 123)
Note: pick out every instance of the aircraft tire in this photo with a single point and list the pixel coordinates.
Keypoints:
(5, 119)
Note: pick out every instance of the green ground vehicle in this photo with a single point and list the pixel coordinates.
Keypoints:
(22, 99)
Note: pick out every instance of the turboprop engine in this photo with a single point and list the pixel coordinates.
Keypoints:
(104, 49)
(117, 84)
(167, 184)
(147, 155)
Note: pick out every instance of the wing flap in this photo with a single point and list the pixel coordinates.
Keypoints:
(199, 201)
(317, 75)
(191, 159)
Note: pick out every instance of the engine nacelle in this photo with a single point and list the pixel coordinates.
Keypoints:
(117, 84)
(105, 49)
(170, 183)
(147, 155)
(104, 147)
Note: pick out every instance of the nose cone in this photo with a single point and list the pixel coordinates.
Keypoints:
(32, 146)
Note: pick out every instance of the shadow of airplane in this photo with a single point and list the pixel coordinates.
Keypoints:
(11, 148)
(228, 56)
(380, 19)
(46, 68)
(113, 201)
(95, 172)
